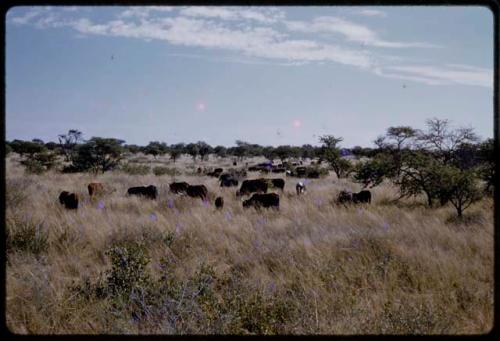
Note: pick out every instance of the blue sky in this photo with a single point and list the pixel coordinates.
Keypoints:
(267, 75)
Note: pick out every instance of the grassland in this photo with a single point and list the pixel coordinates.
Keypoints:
(312, 268)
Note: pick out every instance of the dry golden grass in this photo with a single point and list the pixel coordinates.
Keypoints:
(311, 268)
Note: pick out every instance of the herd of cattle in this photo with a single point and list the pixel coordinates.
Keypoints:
(257, 187)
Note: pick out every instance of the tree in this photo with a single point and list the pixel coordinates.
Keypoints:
(8, 148)
(132, 148)
(220, 151)
(460, 187)
(330, 151)
(98, 154)
(204, 149)
(397, 139)
(26, 147)
(192, 149)
(486, 168)
(241, 149)
(421, 173)
(69, 141)
(444, 141)
(156, 148)
(176, 150)
(39, 141)
(283, 152)
(307, 152)
(371, 173)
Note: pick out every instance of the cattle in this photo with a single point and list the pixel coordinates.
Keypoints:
(278, 170)
(300, 188)
(277, 183)
(147, 191)
(69, 200)
(288, 173)
(251, 186)
(228, 182)
(356, 198)
(178, 187)
(263, 200)
(234, 163)
(95, 188)
(300, 171)
(219, 202)
(362, 197)
(225, 176)
(216, 173)
(197, 191)
(344, 197)
(199, 170)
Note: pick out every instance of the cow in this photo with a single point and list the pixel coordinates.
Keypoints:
(69, 200)
(228, 182)
(278, 170)
(300, 188)
(178, 187)
(225, 176)
(197, 191)
(219, 202)
(277, 183)
(95, 188)
(199, 170)
(149, 191)
(344, 197)
(234, 163)
(362, 197)
(263, 200)
(251, 186)
(300, 171)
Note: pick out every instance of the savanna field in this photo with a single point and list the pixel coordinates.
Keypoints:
(176, 265)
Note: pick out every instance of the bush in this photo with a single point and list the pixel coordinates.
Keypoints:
(27, 236)
(159, 170)
(135, 169)
(165, 170)
(128, 268)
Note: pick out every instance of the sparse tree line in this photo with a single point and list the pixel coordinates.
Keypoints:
(443, 163)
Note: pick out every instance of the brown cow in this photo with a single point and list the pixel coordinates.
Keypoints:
(95, 189)
(197, 191)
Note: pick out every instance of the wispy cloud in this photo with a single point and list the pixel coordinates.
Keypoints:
(351, 31)
(265, 35)
(371, 13)
(440, 75)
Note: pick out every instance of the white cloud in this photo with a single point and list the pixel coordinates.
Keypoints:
(437, 75)
(225, 13)
(248, 33)
(372, 13)
(351, 31)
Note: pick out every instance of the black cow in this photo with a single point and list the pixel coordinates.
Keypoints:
(277, 183)
(178, 187)
(263, 200)
(197, 191)
(251, 186)
(228, 182)
(149, 191)
(69, 200)
(278, 170)
(219, 202)
(362, 197)
(344, 197)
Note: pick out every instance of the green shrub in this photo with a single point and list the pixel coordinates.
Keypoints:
(128, 267)
(159, 170)
(27, 236)
(135, 169)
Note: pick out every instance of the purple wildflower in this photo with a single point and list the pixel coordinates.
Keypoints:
(228, 216)
(261, 221)
(178, 228)
(170, 203)
(318, 202)
(206, 203)
(153, 217)
(100, 205)
(386, 226)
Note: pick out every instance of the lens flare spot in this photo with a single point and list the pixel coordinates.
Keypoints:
(296, 123)
(201, 106)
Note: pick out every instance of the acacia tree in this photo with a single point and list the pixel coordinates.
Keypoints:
(97, 154)
(330, 152)
(371, 173)
(69, 141)
(192, 149)
(460, 187)
(204, 149)
(395, 141)
(156, 148)
(444, 141)
(176, 151)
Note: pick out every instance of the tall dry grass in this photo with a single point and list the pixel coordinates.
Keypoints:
(312, 268)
